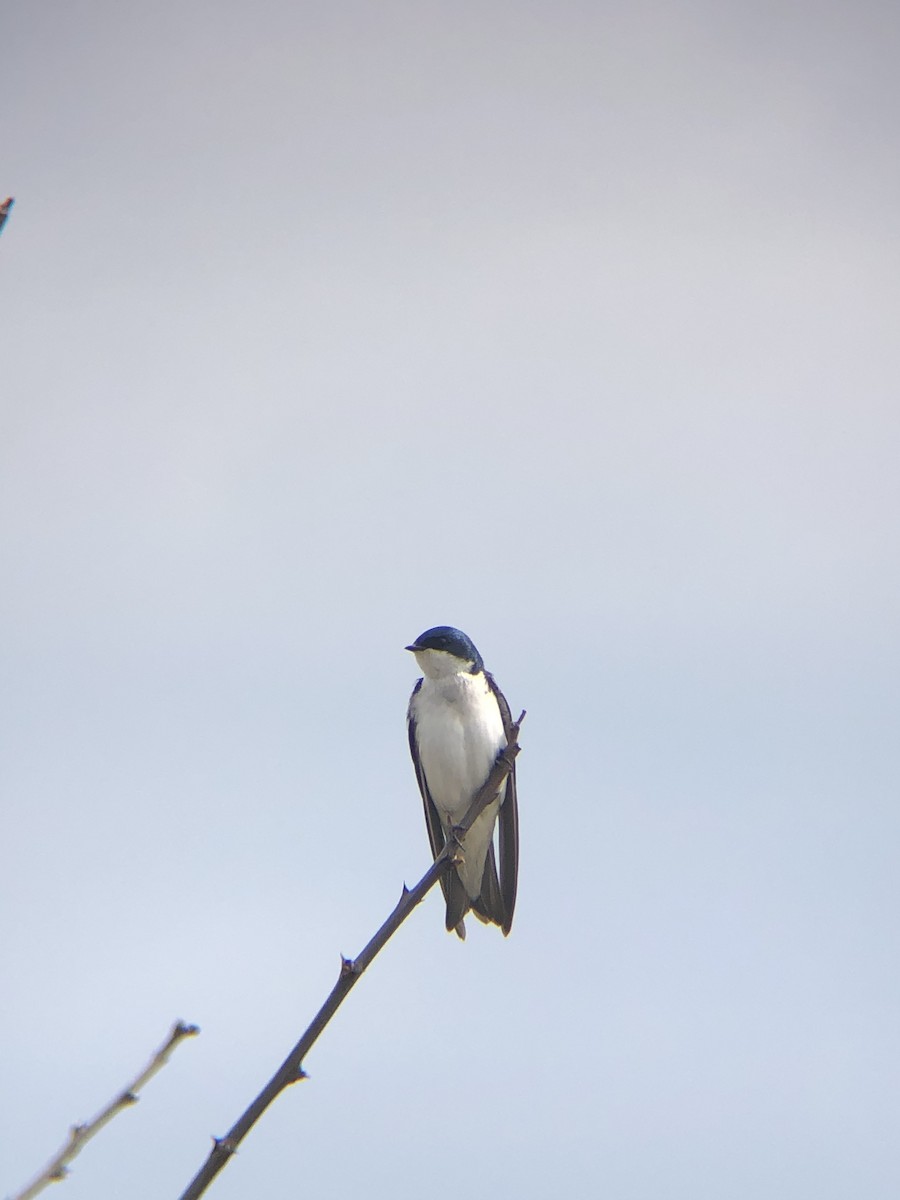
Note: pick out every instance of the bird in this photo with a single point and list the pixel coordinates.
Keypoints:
(457, 721)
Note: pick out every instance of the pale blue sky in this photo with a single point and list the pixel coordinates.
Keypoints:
(574, 325)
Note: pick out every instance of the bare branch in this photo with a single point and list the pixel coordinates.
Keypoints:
(291, 1070)
(79, 1135)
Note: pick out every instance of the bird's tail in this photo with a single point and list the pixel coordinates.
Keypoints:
(458, 904)
(488, 906)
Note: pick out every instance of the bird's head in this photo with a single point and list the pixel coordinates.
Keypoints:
(444, 650)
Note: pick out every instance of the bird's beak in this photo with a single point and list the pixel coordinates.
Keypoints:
(413, 648)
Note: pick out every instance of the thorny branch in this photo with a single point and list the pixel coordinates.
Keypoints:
(58, 1167)
(291, 1070)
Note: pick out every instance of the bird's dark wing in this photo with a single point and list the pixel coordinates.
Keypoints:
(432, 820)
(508, 823)
(451, 884)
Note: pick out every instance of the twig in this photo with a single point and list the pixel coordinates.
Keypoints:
(4, 209)
(291, 1070)
(79, 1135)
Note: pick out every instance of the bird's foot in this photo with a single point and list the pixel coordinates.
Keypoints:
(455, 836)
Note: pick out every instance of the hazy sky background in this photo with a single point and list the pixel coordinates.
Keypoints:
(574, 325)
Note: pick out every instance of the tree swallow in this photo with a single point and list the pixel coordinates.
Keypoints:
(457, 722)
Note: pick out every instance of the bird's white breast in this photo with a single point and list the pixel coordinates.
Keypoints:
(460, 732)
